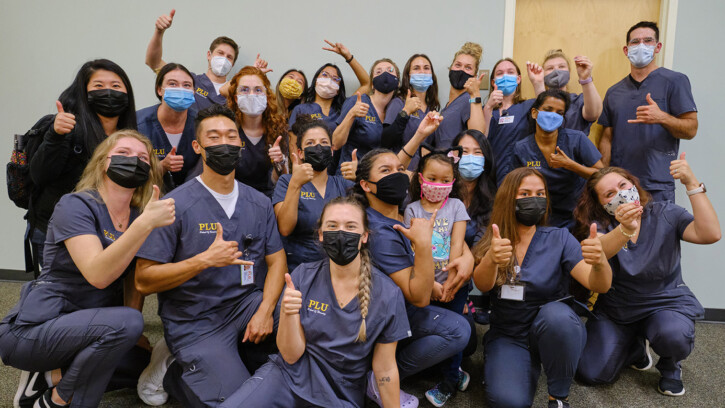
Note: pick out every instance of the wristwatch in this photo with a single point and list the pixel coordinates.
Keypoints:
(403, 114)
(698, 190)
(475, 100)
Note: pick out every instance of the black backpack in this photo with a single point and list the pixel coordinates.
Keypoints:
(20, 185)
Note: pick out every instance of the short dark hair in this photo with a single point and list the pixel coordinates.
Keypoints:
(225, 40)
(211, 112)
(303, 123)
(165, 70)
(645, 24)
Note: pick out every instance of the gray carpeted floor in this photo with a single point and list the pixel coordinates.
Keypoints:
(703, 373)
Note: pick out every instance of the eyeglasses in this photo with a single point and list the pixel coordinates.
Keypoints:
(245, 90)
(647, 41)
(335, 78)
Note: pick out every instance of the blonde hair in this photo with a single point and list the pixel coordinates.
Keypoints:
(472, 49)
(93, 174)
(557, 53)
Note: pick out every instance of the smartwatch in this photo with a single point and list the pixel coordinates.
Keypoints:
(698, 190)
(475, 100)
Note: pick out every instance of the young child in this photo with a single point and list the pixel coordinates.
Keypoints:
(437, 188)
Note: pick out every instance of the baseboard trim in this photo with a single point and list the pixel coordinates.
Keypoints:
(15, 275)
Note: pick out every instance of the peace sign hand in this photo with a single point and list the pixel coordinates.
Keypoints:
(338, 48)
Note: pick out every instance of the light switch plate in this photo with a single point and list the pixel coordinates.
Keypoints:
(486, 78)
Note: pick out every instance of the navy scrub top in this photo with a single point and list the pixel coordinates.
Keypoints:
(564, 185)
(62, 288)
(255, 167)
(365, 133)
(205, 93)
(314, 110)
(574, 118)
(647, 275)
(332, 370)
(455, 120)
(545, 270)
(303, 245)
(201, 303)
(390, 250)
(148, 125)
(392, 111)
(503, 136)
(646, 150)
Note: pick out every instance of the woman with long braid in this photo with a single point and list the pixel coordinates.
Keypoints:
(339, 317)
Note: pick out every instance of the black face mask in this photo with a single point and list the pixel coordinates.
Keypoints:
(393, 188)
(128, 171)
(341, 246)
(458, 78)
(318, 156)
(529, 210)
(108, 102)
(385, 82)
(223, 158)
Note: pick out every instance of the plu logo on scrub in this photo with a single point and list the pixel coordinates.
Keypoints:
(207, 228)
(370, 119)
(109, 235)
(317, 307)
(160, 152)
(308, 195)
(202, 92)
(316, 116)
(534, 163)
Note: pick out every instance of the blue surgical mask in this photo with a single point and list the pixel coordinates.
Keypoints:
(641, 55)
(179, 99)
(549, 121)
(507, 84)
(471, 166)
(421, 82)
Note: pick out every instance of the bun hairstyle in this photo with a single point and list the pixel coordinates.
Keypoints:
(365, 276)
(472, 49)
(305, 122)
(557, 53)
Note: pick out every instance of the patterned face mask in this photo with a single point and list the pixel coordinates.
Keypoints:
(623, 197)
(434, 192)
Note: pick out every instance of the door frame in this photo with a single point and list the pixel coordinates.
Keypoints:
(667, 25)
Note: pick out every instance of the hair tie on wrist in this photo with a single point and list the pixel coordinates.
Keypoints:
(351, 57)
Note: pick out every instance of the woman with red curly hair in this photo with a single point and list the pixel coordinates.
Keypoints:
(262, 129)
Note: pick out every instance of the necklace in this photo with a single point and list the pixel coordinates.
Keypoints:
(113, 215)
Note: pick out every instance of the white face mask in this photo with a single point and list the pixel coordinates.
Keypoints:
(326, 88)
(630, 195)
(220, 66)
(252, 105)
(641, 55)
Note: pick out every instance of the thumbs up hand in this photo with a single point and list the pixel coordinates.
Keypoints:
(64, 122)
(501, 248)
(681, 170)
(349, 169)
(592, 248)
(361, 108)
(164, 21)
(159, 213)
(222, 253)
(559, 159)
(275, 152)
(495, 98)
(649, 113)
(173, 162)
(412, 103)
(292, 298)
(302, 173)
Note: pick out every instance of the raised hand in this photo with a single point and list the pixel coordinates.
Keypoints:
(495, 98)
(291, 298)
(592, 248)
(64, 122)
(420, 232)
(650, 113)
(338, 48)
(559, 159)
(360, 109)
(302, 173)
(535, 72)
(275, 152)
(473, 85)
(222, 253)
(349, 169)
(430, 123)
(261, 64)
(164, 21)
(583, 67)
(412, 103)
(159, 213)
(173, 162)
(501, 249)
(682, 171)
(628, 215)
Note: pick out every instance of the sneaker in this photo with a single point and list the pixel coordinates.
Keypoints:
(437, 396)
(671, 387)
(406, 400)
(150, 386)
(463, 380)
(45, 401)
(645, 363)
(481, 316)
(557, 403)
(31, 387)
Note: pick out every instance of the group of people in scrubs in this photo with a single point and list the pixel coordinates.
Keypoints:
(313, 247)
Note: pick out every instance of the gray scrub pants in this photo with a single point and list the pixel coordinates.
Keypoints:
(87, 345)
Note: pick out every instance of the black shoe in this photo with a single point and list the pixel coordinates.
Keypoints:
(557, 403)
(481, 316)
(46, 401)
(31, 387)
(644, 363)
(671, 387)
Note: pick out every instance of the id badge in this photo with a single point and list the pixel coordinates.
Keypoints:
(247, 274)
(505, 119)
(512, 292)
